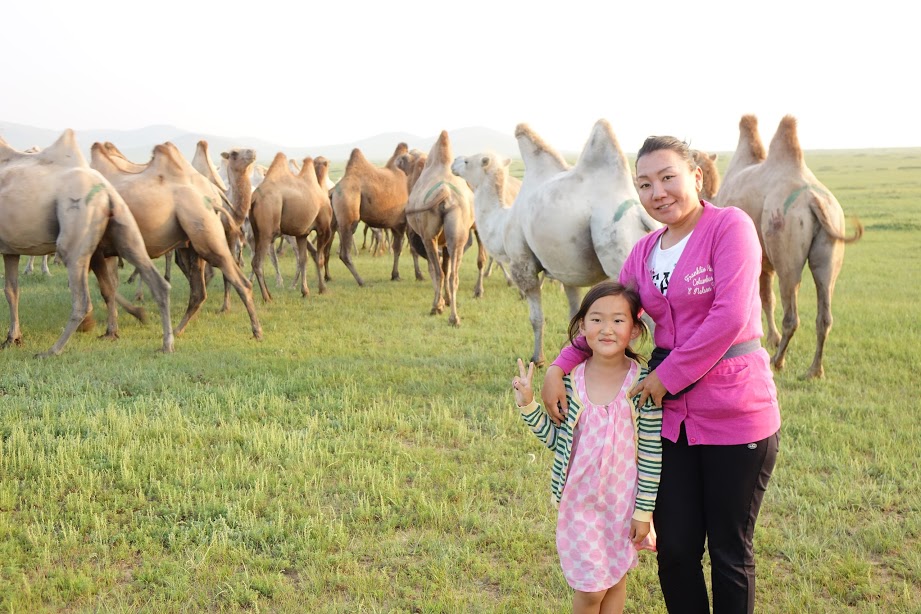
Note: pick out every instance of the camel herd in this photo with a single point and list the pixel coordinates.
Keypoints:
(571, 223)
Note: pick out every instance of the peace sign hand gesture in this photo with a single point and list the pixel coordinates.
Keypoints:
(524, 394)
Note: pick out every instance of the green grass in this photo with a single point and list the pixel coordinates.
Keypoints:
(366, 457)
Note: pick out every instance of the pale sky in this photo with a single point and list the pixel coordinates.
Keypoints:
(307, 73)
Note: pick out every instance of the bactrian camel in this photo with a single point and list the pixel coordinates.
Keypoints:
(53, 201)
(440, 212)
(173, 213)
(798, 221)
(375, 196)
(576, 224)
(287, 204)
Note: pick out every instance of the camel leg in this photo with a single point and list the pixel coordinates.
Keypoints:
(29, 266)
(318, 253)
(273, 256)
(11, 289)
(346, 242)
(573, 297)
(45, 269)
(455, 251)
(789, 289)
(526, 276)
(825, 260)
(263, 243)
(106, 279)
(436, 274)
(301, 253)
(234, 275)
(398, 235)
(194, 268)
(212, 247)
(766, 290)
(481, 258)
(78, 280)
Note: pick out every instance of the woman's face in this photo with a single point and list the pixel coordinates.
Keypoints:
(668, 189)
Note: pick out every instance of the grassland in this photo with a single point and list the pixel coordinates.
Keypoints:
(366, 457)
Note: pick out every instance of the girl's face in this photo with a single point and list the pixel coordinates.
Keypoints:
(608, 326)
(667, 187)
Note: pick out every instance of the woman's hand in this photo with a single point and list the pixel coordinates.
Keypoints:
(524, 393)
(652, 386)
(553, 394)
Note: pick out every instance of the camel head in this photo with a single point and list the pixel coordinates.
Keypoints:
(321, 166)
(412, 164)
(479, 168)
(401, 149)
(711, 181)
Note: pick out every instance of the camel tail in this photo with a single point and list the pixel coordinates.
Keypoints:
(820, 205)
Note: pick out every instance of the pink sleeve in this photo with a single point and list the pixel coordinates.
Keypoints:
(570, 355)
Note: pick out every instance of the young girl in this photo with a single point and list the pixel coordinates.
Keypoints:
(607, 451)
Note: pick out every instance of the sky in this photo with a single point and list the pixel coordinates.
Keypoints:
(309, 73)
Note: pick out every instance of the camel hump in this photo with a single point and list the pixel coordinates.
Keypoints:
(64, 151)
(356, 158)
(785, 144)
(441, 150)
(602, 147)
(279, 165)
(536, 151)
(164, 161)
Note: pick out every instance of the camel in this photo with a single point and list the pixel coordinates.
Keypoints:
(375, 196)
(576, 224)
(440, 212)
(494, 191)
(30, 264)
(798, 221)
(52, 201)
(711, 174)
(325, 222)
(173, 212)
(287, 204)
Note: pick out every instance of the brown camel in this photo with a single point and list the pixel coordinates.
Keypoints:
(711, 179)
(375, 196)
(287, 204)
(440, 211)
(798, 220)
(53, 201)
(323, 226)
(172, 212)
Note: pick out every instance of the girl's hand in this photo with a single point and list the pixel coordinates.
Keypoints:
(638, 531)
(524, 394)
(647, 542)
(553, 394)
(652, 386)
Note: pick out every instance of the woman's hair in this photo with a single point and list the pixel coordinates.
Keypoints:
(657, 143)
(601, 290)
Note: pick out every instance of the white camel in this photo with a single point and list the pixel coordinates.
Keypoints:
(798, 221)
(575, 224)
(52, 201)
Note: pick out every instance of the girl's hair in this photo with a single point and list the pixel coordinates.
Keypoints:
(657, 143)
(601, 290)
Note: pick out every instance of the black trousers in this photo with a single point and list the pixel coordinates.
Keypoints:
(710, 493)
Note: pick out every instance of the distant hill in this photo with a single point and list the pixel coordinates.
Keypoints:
(137, 145)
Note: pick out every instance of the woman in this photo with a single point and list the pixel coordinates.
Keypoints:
(698, 281)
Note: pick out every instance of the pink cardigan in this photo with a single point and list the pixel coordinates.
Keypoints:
(712, 303)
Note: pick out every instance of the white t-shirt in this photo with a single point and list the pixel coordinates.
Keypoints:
(664, 261)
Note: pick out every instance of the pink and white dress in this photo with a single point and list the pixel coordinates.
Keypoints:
(593, 525)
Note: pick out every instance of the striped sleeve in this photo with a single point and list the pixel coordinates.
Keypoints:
(648, 459)
(540, 424)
